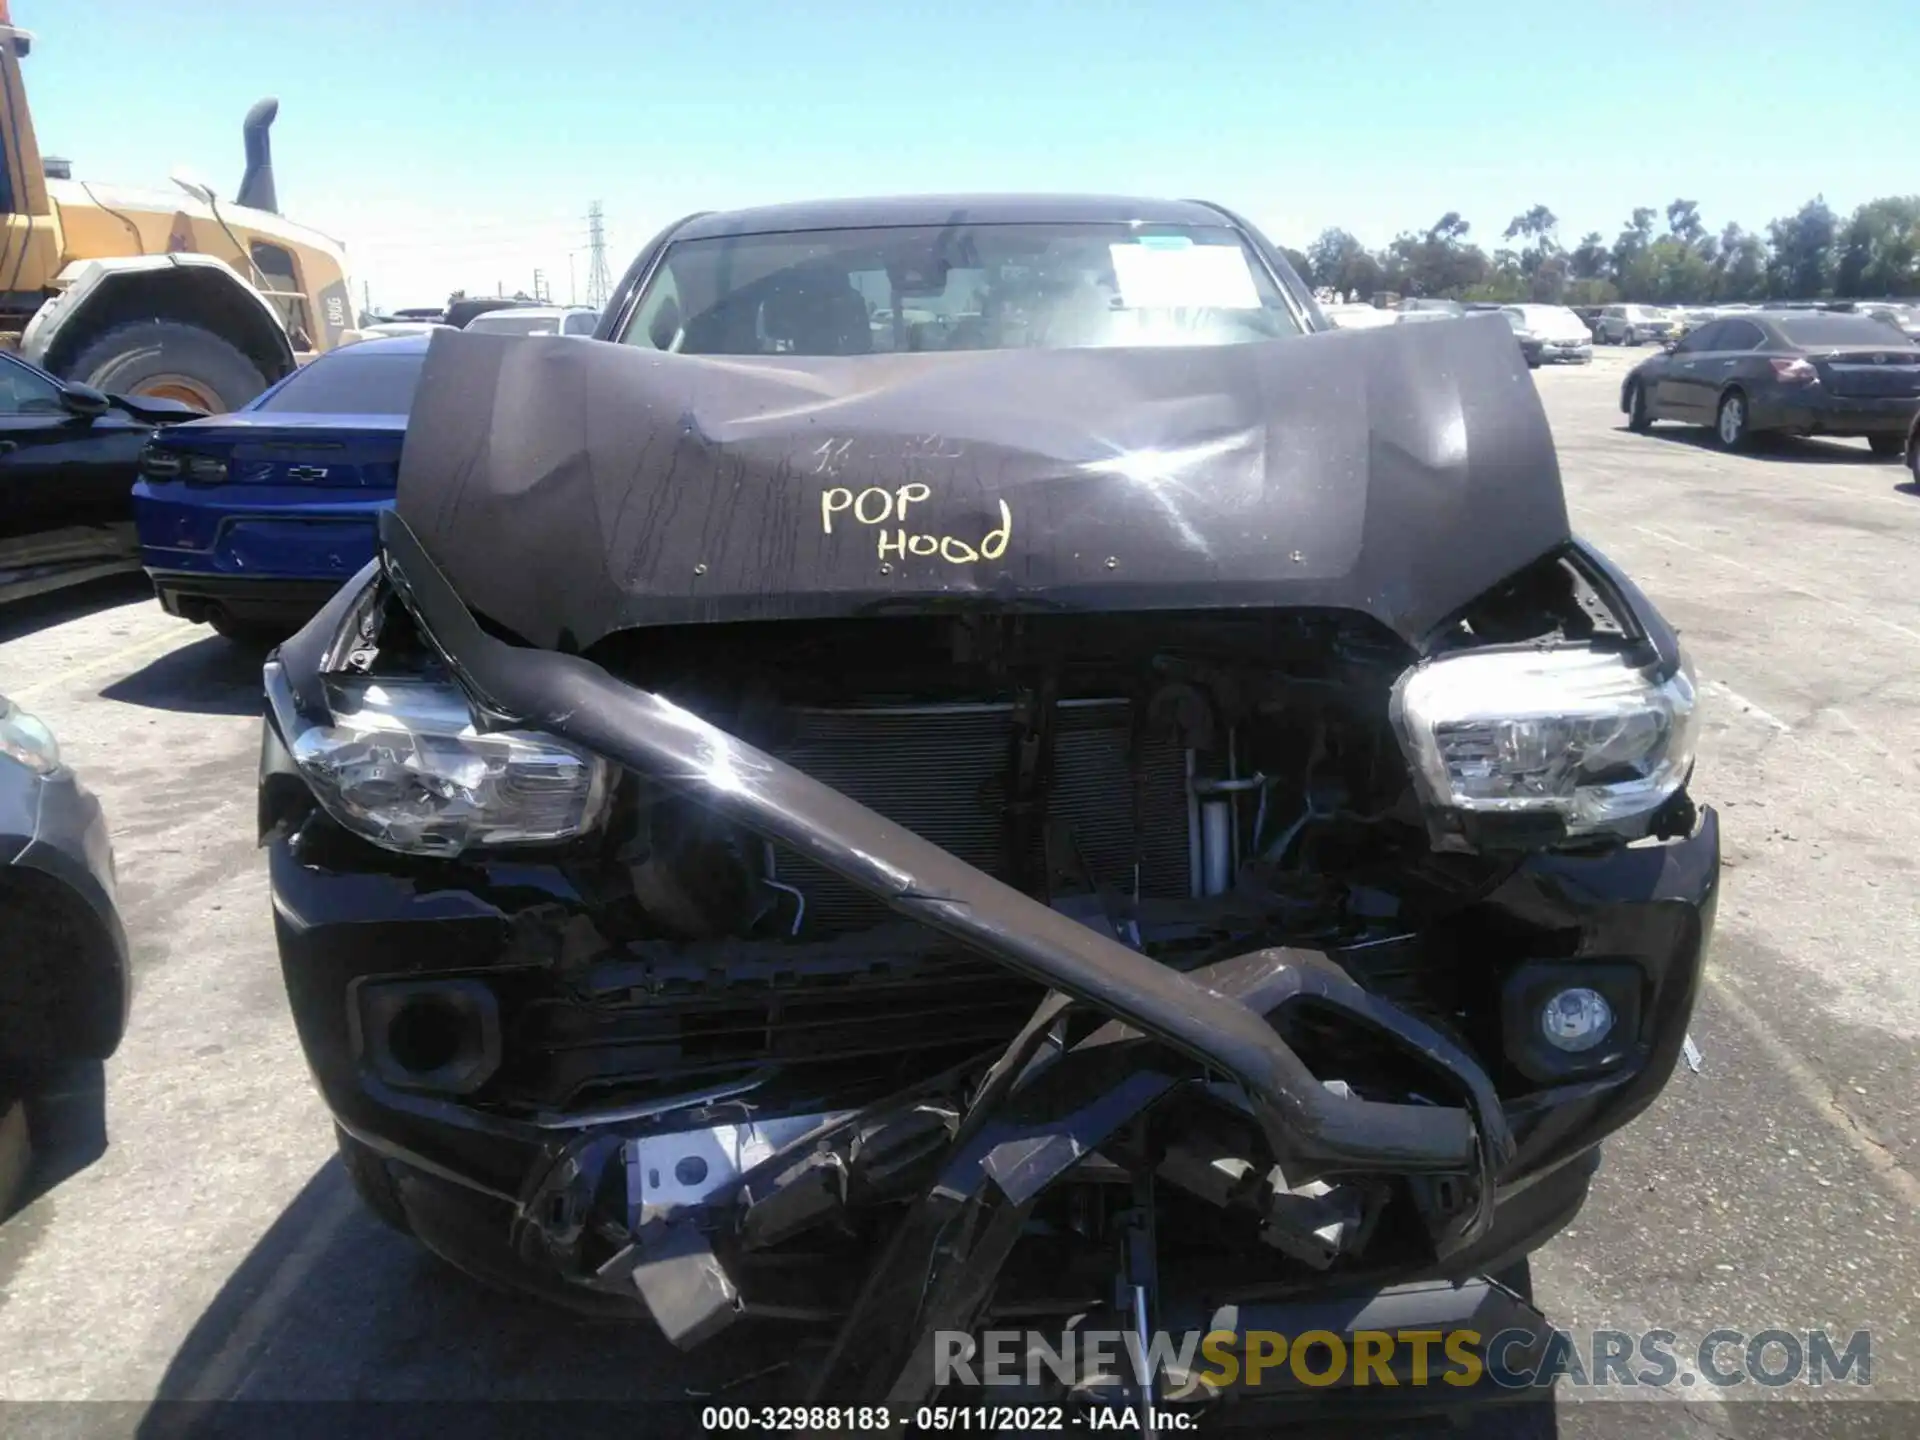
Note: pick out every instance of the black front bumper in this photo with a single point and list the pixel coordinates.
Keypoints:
(1496, 1159)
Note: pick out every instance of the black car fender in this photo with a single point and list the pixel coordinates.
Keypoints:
(58, 871)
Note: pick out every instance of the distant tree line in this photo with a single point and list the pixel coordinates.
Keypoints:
(1811, 254)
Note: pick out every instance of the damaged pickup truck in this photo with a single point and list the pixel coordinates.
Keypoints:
(980, 762)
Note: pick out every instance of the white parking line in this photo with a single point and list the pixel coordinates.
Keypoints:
(224, 1377)
(1744, 705)
(1819, 1096)
(1845, 609)
(139, 649)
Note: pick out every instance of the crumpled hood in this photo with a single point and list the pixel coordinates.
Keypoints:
(570, 489)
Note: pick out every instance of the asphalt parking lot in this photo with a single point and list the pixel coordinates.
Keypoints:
(214, 1249)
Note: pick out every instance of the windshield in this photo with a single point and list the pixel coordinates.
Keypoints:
(1821, 330)
(353, 381)
(962, 287)
(507, 322)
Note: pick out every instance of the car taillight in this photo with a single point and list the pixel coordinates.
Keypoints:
(1795, 370)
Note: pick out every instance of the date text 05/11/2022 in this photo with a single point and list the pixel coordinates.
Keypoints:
(943, 1419)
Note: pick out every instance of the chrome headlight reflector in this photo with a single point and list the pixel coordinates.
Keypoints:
(403, 765)
(1571, 732)
(25, 738)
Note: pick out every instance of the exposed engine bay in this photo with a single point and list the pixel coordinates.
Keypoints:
(907, 970)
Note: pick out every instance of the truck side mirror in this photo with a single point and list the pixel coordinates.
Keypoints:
(83, 402)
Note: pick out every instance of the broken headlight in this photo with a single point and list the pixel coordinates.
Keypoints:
(1579, 734)
(403, 765)
(25, 739)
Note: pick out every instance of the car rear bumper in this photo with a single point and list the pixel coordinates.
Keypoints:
(246, 532)
(274, 599)
(1815, 411)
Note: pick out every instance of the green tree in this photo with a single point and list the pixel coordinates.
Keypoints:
(1540, 258)
(1740, 265)
(1504, 282)
(1301, 266)
(1342, 263)
(1630, 249)
(1800, 266)
(1879, 251)
(1678, 272)
(1591, 291)
(1548, 283)
(1442, 262)
(1590, 260)
(1683, 222)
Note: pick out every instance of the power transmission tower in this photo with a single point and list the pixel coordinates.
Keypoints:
(599, 283)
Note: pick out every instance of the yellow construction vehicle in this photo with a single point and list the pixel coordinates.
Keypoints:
(154, 293)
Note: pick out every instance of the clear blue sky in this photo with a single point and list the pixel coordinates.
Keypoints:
(458, 144)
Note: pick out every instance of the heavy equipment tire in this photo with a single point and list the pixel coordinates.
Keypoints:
(373, 1182)
(171, 359)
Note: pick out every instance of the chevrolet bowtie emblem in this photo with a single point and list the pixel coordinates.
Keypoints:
(307, 472)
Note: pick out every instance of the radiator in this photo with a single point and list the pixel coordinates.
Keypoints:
(941, 771)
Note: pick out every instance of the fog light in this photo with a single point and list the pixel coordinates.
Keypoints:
(1576, 1020)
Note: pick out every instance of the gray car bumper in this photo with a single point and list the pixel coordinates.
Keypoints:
(58, 903)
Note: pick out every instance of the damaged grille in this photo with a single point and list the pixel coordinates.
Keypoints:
(646, 1027)
(942, 772)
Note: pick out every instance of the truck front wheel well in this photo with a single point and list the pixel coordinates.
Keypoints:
(206, 297)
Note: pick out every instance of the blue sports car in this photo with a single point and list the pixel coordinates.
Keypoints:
(249, 522)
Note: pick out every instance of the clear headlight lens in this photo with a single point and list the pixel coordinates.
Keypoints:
(403, 765)
(25, 738)
(1573, 732)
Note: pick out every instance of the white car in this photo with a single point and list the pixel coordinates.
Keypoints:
(387, 329)
(1357, 317)
(1632, 324)
(1548, 333)
(575, 320)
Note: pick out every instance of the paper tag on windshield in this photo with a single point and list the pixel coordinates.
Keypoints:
(1194, 277)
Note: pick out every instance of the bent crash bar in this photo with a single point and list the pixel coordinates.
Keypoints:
(1010, 1145)
(1313, 1130)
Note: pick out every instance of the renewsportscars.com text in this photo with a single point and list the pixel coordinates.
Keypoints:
(1720, 1359)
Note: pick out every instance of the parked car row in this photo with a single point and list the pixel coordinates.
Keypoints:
(1804, 372)
(1549, 333)
(499, 317)
(67, 457)
(245, 521)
